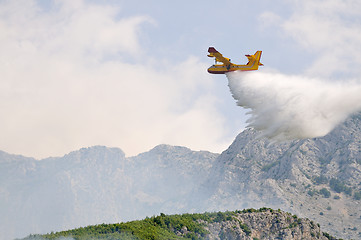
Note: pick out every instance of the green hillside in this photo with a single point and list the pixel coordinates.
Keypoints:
(160, 227)
(196, 226)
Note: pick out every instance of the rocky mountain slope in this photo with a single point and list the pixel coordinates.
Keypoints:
(315, 178)
(247, 224)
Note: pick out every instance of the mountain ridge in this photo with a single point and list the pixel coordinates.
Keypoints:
(311, 178)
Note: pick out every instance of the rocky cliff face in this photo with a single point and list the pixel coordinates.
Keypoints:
(316, 178)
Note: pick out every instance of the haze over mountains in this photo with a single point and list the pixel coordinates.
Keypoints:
(316, 178)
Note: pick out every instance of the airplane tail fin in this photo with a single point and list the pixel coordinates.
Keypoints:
(258, 57)
(254, 59)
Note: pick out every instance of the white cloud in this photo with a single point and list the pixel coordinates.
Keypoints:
(77, 76)
(330, 31)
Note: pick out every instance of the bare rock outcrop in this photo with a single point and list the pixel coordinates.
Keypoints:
(264, 224)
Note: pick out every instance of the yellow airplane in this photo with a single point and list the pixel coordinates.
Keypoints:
(227, 66)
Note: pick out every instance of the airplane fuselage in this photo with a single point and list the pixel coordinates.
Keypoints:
(222, 69)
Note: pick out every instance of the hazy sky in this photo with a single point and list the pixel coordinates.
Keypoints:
(133, 74)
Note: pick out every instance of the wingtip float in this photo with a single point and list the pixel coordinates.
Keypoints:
(228, 66)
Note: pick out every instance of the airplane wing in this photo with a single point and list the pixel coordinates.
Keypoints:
(219, 58)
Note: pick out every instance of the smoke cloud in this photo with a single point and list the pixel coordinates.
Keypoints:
(293, 107)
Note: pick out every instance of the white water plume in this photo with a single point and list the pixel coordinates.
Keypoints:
(293, 107)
